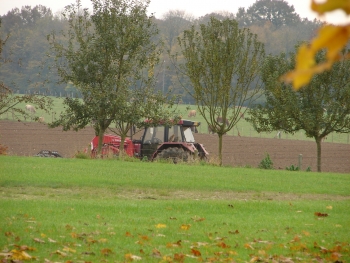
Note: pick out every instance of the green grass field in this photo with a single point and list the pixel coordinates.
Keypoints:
(243, 127)
(75, 210)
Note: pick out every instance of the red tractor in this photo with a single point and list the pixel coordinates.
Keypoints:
(159, 142)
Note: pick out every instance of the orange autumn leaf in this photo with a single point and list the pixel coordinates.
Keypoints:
(106, 251)
(196, 252)
(248, 246)
(176, 244)
(179, 257)
(127, 234)
(330, 5)
(222, 245)
(318, 214)
(144, 237)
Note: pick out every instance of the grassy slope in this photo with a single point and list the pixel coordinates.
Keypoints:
(110, 210)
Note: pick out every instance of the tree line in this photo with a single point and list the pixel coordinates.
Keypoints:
(276, 24)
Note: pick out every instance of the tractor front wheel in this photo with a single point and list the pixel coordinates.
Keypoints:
(175, 154)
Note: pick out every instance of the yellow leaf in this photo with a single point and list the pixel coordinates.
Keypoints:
(329, 207)
(334, 38)
(68, 249)
(160, 226)
(185, 227)
(20, 255)
(330, 5)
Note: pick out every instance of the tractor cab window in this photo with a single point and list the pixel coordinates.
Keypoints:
(154, 135)
(188, 134)
(174, 134)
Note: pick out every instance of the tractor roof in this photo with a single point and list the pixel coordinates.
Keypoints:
(189, 123)
(186, 123)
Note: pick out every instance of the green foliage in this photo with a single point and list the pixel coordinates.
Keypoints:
(319, 108)
(308, 169)
(110, 56)
(266, 163)
(293, 168)
(222, 63)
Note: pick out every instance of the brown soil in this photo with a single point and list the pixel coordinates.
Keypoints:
(27, 139)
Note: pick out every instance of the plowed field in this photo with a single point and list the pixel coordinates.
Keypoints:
(27, 139)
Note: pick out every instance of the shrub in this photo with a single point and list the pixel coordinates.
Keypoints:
(81, 155)
(308, 169)
(292, 168)
(266, 163)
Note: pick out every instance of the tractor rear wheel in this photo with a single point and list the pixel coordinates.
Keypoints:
(175, 154)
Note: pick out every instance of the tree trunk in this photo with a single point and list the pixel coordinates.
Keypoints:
(121, 146)
(100, 142)
(220, 149)
(318, 143)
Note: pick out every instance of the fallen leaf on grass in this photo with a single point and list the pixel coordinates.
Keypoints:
(127, 234)
(131, 257)
(176, 244)
(25, 248)
(255, 259)
(60, 253)
(103, 240)
(68, 249)
(20, 255)
(233, 232)
(222, 245)
(160, 226)
(8, 234)
(198, 219)
(106, 251)
(329, 207)
(185, 226)
(179, 257)
(318, 214)
(156, 253)
(196, 252)
(51, 240)
(248, 246)
(38, 240)
(200, 244)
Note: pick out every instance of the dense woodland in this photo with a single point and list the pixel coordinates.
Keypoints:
(27, 68)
